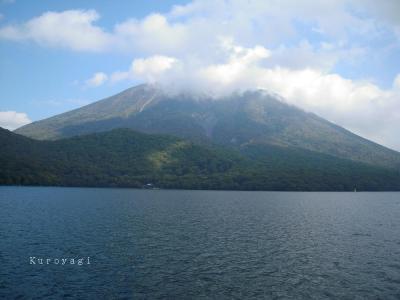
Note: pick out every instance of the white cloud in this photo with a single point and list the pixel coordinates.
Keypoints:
(269, 20)
(12, 120)
(148, 69)
(71, 29)
(75, 30)
(152, 34)
(198, 24)
(97, 79)
(153, 66)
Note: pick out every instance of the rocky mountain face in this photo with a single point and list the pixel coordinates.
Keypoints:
(241, 121)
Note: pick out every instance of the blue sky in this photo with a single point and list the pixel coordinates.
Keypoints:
(339, 59)
(43, 81)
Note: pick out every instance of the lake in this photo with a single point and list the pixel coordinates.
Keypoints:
(166, 244)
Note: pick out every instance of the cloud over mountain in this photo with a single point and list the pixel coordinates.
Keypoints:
(97, 79)
(295, 49)
(12, 119)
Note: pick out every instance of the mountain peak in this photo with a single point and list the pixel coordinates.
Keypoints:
(252, 117)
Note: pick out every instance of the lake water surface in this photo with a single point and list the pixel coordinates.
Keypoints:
(159, 244)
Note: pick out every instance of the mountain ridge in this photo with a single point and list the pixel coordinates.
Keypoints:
(251, 117)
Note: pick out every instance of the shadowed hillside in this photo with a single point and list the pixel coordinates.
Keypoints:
(125, 158)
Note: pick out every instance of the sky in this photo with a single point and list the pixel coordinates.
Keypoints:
(337, 58)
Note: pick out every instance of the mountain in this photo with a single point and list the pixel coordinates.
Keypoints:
(120, 157)
(252, 118)
(125, 158)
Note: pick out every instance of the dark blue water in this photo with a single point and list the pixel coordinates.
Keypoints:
(156, 244)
